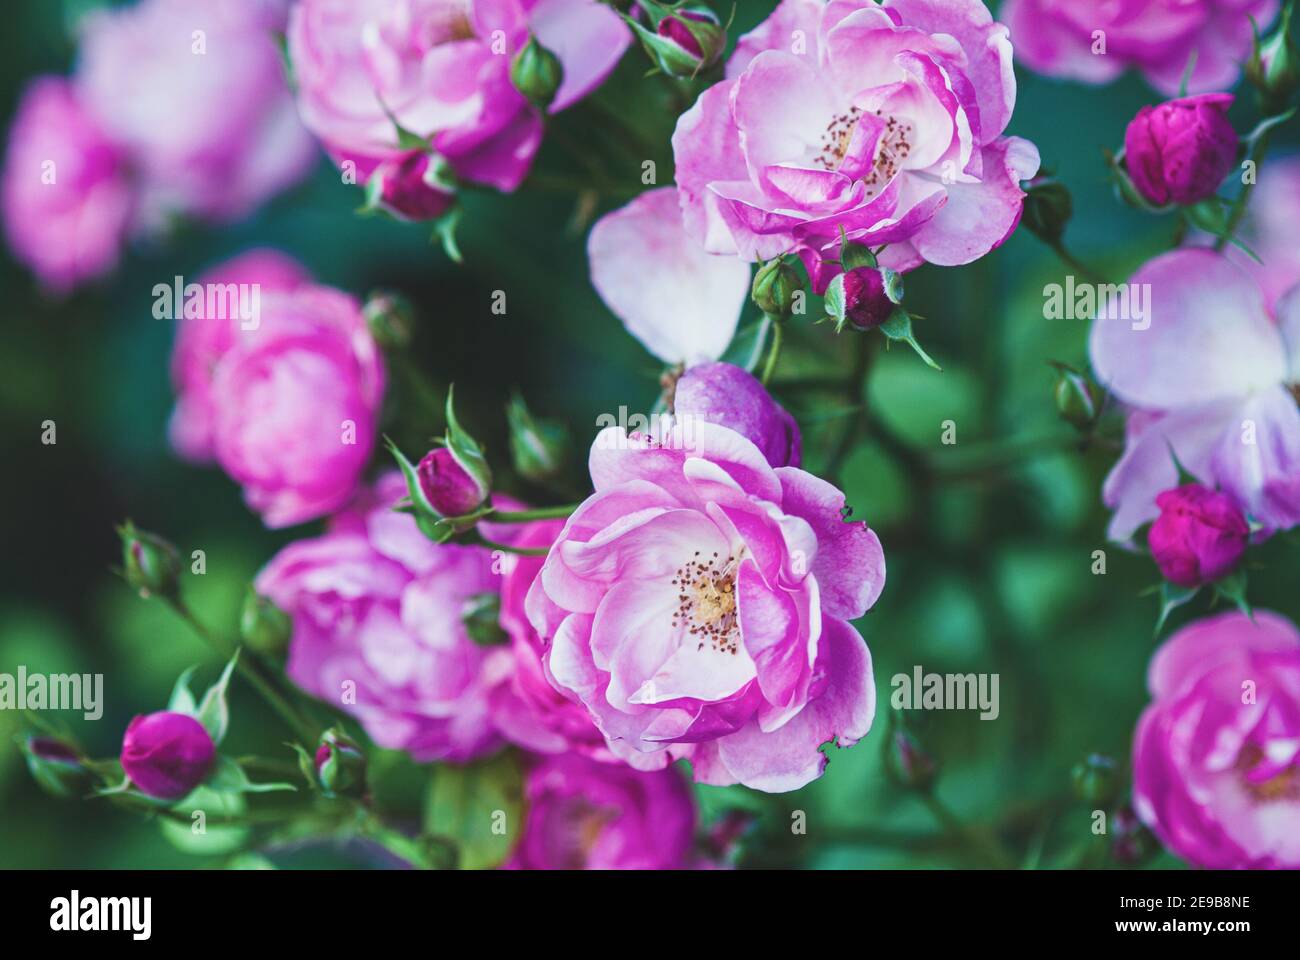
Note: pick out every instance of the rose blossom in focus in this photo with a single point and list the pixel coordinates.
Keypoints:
(1157, 37)
(585, 815)
(698, 603)
(67, 201)
(886, 130)
(1207, 374)
(1216, 755)
(1180, 151)
(379, 628)
(167, 754)
(195, 92)
(441, 70)
(1199, 536)
(724, 394)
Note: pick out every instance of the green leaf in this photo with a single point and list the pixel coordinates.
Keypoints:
(207, 835)
(464, 447)
(479, 807)
(1172, 597)
(899, 327)
(182, 700)
(213, 711)
(444, 231)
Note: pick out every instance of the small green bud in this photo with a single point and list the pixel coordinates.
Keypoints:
(1078, 399)
(263, 626)
(1274, 66)
(150, 564)
(390, 318)
(1047, 209)
(539, 448)
(340, 765)
(481, 615)
(537, 73)
(775, 285)
(55, 766)
(1096, 780)
(909, 763)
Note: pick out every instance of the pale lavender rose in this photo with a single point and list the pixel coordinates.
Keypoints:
(1216, 756)
(195, 91)
(1206, 373)
(724, 394)
(441, 70)
(203, 338)
(166, 755)
(1271, 229)
(1096, 40)
(379, 628)
(882, 123)
(296, 403)
(585, 815)
(67, 200)
(1181, 150)
(698, 603)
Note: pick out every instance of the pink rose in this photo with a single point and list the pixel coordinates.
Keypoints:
(882, 123)
(295, 403)
(1158, 37)
(724, 394)
(167, 754)
(379, 629)
(698, 603)
(584, 815)
(195, 92)
(1205, 373)
(202, 340)
(1216, 755)
(67, 202)
(1180, 151)
(1199, 536)
(441, 69)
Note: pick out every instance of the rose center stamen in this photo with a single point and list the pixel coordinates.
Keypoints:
(1284, 785)
(892, 149)
(706, 602)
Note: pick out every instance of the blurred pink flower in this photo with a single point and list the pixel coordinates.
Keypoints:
(202, 340)
(293, 404)
(724, 394)
(378, 628)
(1181, 150)
(195, 92)
(1216, 756)
(1272, 229)
(1205, 375)
(882, 123)
(1157, 37)
(697, 605)
(584, 815)
(67, 201)
(441, 69)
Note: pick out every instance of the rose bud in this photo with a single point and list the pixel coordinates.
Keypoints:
(1131, 841)
(451, 489)
(340, 765)
(910, 764)
(263, 626)
(866, 301)
(686, 41)
(537, 73)
(539, 448)
(167, 754)
(728, 396)
(1180, 151)
(149, 563)
(774, 288)
(1274, 66)
(390, 319)
(1199, 536)
(410, 186)
(1078, 399)
(55, 766)
(1095, 779)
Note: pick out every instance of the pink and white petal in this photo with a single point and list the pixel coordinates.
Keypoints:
(849, 563)
(504, 160)
(988, 52)
(778, 634)
(793, 25)
(980, 216)
(1206, 335)
(588, 37)
(735, 453)
(781, 107)
(1196, 649)
(706, 149)
(649, 544)
(1258, 459)
(679, 301)
(1288, 325)
(789, 757)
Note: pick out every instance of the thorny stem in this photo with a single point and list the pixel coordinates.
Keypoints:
(527, 516)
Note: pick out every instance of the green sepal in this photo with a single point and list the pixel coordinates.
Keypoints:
(899, 328)
(1172, 597)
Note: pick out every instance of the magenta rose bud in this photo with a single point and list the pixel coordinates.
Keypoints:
(1180, 151)
(866, 304)
(451, 489)
(167, 754)
(408, 185)
(1199, 536)
(725, 394)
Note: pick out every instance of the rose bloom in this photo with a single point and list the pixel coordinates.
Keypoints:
(441, 68)
(379, 631)
(1216, 756)
(203, 339)
(167, 754)
(697, 605)
(882, 123)
(585, 815)
(67, 201)
(1157, 37)
(195, 91)
(294, 404)
(1209, 380)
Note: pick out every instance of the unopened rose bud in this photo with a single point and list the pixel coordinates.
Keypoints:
(689, 40)
(537, 73)
(774, 288)
(1199, 536)
(910, 764)
(1096, 780)
(340, 765)
(1274, 66)
(866, 301)
(1131, 841)
(1048, 208)
(1180, 151)
(150, 564)
(390, 319)
(451, 489)
(481, 615)
(56, 766)
(413, 186)
(539, 448)
(1078, 399)
(263, 626)
(166, 755)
